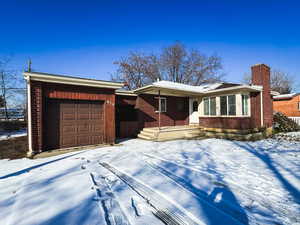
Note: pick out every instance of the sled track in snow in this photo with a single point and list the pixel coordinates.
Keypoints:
(167, 211)
(282, 211)
(113, 212)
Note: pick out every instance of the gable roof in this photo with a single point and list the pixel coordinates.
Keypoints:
(286, 96)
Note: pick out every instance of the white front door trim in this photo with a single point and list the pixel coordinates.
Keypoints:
(193, 115)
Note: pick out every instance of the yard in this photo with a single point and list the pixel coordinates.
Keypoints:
(207, 181)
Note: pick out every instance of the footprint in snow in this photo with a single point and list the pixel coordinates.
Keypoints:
(138, 206)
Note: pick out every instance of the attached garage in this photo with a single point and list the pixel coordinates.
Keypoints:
(73, 123)
(67, 111)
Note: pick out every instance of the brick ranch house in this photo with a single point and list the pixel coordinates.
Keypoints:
(288, 104)
(68, 111)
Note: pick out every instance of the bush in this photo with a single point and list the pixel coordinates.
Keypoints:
(12, 125)
(282, 123)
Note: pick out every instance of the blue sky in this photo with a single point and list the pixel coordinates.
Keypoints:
(85, 37)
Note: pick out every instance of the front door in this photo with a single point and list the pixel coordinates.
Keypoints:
(194, 114)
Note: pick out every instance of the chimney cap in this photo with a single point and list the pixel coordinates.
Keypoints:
(260, 64)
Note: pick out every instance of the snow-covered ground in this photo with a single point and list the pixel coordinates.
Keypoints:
(8, 135)
(177, 182)
(289, 136)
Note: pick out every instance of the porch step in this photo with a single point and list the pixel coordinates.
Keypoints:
(195, 134)
(145, 137)
(171, 133)
(149, 133)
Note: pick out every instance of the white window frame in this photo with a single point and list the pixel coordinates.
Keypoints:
(248, 104)
(227, 105)
(159, 104)
(209, 108)
(238, 105)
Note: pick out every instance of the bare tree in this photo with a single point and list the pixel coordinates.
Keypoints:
(174, 63)
(137, 70)
(12, 88)
(280, 81)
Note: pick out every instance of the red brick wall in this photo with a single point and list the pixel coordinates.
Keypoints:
(148, 104)
(126, 116)
(255, 109)
(240, 123)
(236, 122)
(76, 92)
(37, 115)
(41, 90)
(288, 107)
(125, 100)
(261, 76)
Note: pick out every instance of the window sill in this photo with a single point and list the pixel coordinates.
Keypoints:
(237, 116)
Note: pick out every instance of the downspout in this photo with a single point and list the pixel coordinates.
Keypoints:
(29, 124)
(261, 110)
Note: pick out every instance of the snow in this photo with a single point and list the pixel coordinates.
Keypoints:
(8, 135)
(285, 96)
(288, 136)
(186, 87)
(292, 134)
(207, 181)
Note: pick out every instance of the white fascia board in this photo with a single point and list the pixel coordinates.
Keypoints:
(157, 87)
(72, 81)
(125, 93)
(141, 89)
(275, 93)
(241, 87)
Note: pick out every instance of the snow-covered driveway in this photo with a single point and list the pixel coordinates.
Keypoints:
(178, 182)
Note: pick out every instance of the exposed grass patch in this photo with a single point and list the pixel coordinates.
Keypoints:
(14, 148)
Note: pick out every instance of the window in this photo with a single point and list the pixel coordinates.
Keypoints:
(162, 105)
(210, 106)
(228, 105)
(245, 105)
(195, 106)
(206, 106)
(231, 105)
(223, 101)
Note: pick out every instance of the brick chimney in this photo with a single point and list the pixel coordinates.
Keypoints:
(261, 76)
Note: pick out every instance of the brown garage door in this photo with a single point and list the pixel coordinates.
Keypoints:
(72, 123)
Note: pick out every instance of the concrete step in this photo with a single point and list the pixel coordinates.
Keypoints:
(152, 129)
(196, 131)
(149, 133)
(145, 137)
(191, 135)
